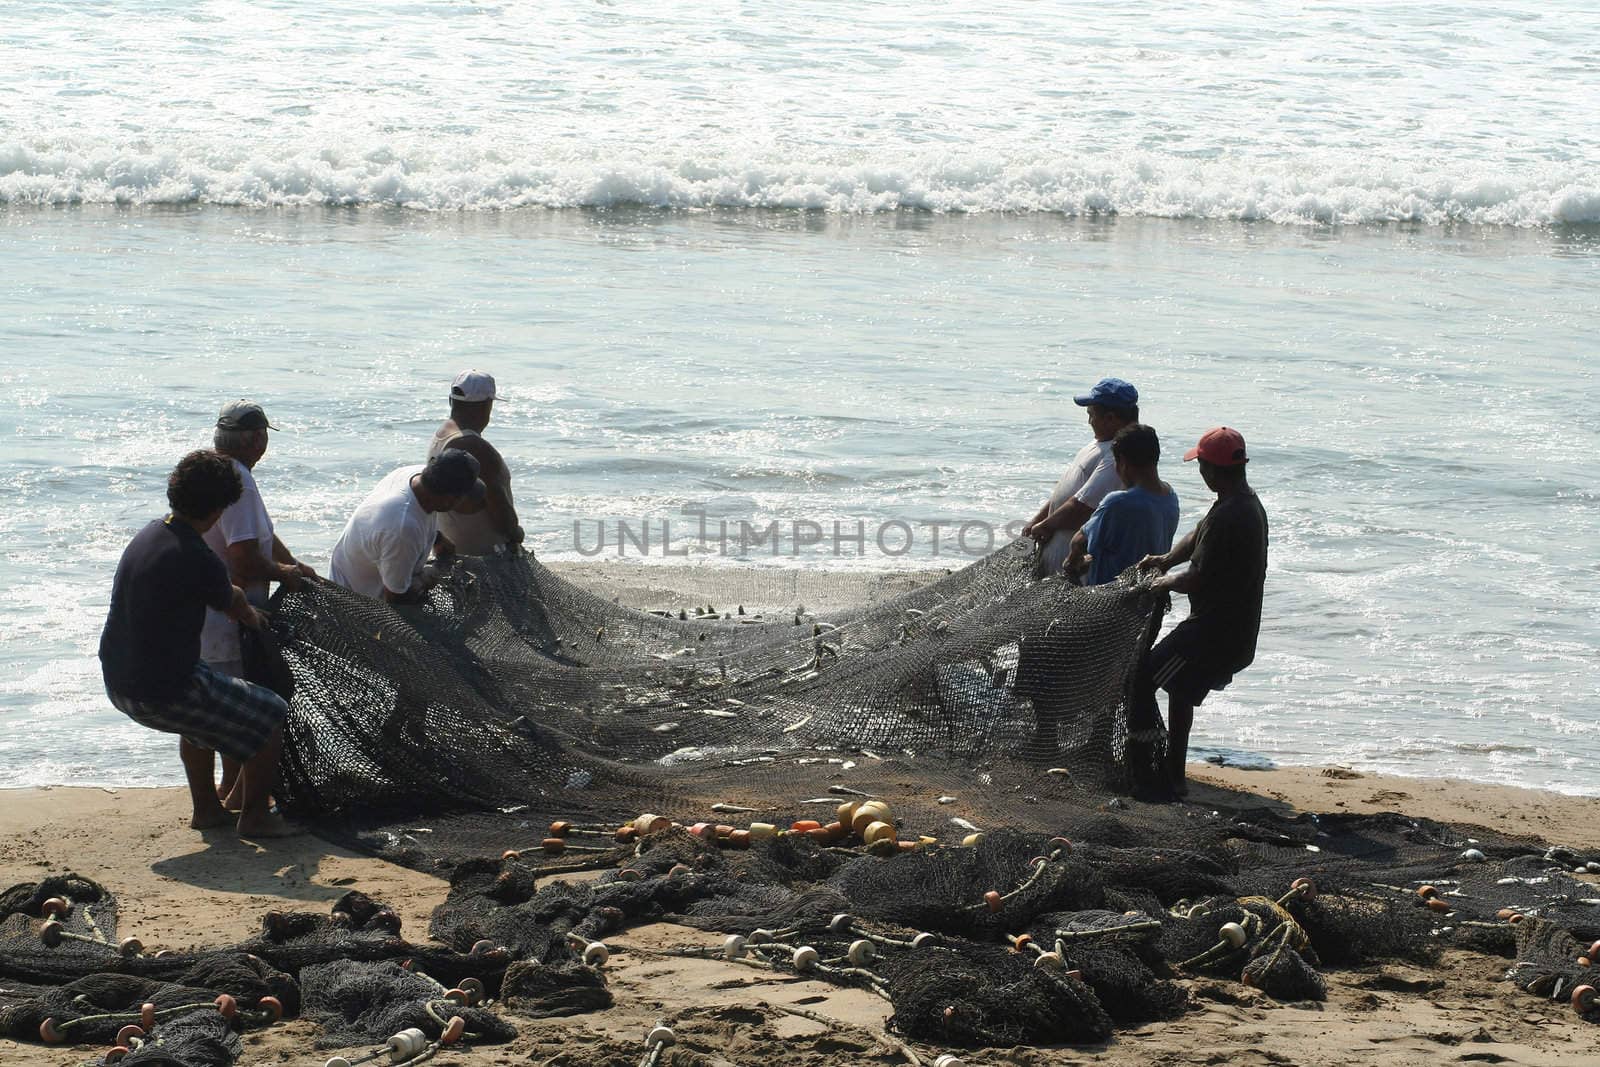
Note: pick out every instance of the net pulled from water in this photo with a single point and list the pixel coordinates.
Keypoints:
(933, 797)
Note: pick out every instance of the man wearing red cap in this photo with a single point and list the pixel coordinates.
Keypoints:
(1227, 557)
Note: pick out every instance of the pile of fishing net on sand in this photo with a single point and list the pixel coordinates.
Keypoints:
(865, 798)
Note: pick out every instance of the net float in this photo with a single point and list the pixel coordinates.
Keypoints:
(473, 989)
(805, 957)
(733, 947)
(128, 1033)
(1233, 934)
(553, 846)
(660, 1036)
(50, 933)
(340, 918)
(739, 839)
(1305, 887)
(510, 854)
(1020, 941)
(1473, 855)
(456, 996)
(948, 1060)
(336, 1061)
(1438, 904)
(972, 840)
(1059, 844)
(821, 835)
(908, 846)
(994, 900)
(835, 830)
(54, 906)
(884, 847)
(1515, 918)
(801, 826)
(650, 823)
(130, 946)
(480, 947)
(1050, 961)
(762, 831)
(1427, 892)
(147, 1016)
(701, 829)
(877, 831)
(625, 834)
(1582, 1000)
(406, 1044)
(861, 953)
(453, 1030)
(226, 1005)
(1594, 951)
(868, 813)
(114, 1054)
(1075, 974)
(924, 940)
(387, 919)
(1504, 914)
(49, 1034)
(629, 874)
(841, 923)
(560, 828)
(595, 954)
(678, 871)
(846, 812)
(1584, 961)
(722, 830)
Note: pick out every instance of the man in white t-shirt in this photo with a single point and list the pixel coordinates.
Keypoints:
(245, 540)
(1112, 404)
(384, 548)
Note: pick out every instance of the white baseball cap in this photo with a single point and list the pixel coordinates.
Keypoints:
(472, 387)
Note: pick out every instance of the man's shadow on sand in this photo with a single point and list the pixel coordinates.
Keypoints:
(280, 866)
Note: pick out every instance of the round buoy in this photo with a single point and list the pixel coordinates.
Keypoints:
(1021, 941)
(924, 940)
(114, 1054)
(128, 1033)
(560, 828)
(1473, 855)
(626, 834)
(701, 830)
(510, 854)
(1585, 961)
(660, 1035)
(1582, 999)
(867, 814)
(762, 831)
(457, 996)
(760, 936)
(1305, 887)
(805, 957)
(130, 946)
(846, 812)
(337, 1061)
(1515, 918)
(733, 947)
(840, 923)
(273, 1007)
(861, 953)
(629, 874)
(406, 1044)
(53, 906)
(948, 1060)
(473, 989)
(480, 947)
(147, 1016)
(1059, 844)
(1233, 934)
(1050, 961)
(650, 823)
(226, 1005)
(739, 839)
(1594, 951)
(994, 900)
(1439, 904)
(804, 826)
(595, 954)
(50, 933)
(877, 831)
(821, 835)
(1427, 892)
(678, 871)
(1504, 914)
(453, 1030)
(49, 1034)
(972, 840)
(722, 831)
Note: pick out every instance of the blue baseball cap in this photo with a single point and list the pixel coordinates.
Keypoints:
(1109, 393)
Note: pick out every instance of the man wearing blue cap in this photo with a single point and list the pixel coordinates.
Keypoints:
(1112, 404)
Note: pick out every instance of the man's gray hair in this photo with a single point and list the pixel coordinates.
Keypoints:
(235, 442)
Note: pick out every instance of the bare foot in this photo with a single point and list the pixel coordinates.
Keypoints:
(267, 826)
(209, 818)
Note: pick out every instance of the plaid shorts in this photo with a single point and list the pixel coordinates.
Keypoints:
(226, 715)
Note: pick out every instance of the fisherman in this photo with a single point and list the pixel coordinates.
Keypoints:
(1131, 523)
(1227, 557)
(477, 531)
(384, 549)
(1112, 404)
(245, 540)
(150, 650)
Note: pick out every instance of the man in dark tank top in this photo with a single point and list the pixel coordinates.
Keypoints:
(494, 525)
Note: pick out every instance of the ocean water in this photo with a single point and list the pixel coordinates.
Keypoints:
(829, 264)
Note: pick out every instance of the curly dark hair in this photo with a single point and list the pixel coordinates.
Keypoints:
(202, 483)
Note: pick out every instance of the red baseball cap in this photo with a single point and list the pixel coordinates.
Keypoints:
(1221, 446)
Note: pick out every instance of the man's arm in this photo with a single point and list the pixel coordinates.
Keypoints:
(497, 503)
(1078, 554)
(247, 564)
(1066, 519)
(1178, 553)
(1038, 517)
(240, 610)
(281, 554)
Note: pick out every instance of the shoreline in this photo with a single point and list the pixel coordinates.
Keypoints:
(180, 888)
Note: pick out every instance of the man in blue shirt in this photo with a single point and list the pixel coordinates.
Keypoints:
(1129, 525)
(150, 649)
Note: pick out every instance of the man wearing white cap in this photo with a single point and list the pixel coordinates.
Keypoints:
(477, 531)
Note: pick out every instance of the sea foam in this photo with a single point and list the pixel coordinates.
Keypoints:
(1313, 189)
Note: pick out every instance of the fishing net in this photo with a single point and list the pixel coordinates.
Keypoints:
(1023, 882)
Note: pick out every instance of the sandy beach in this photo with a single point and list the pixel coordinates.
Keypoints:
(179, 888)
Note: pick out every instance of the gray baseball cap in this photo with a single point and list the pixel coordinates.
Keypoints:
(243, 415)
